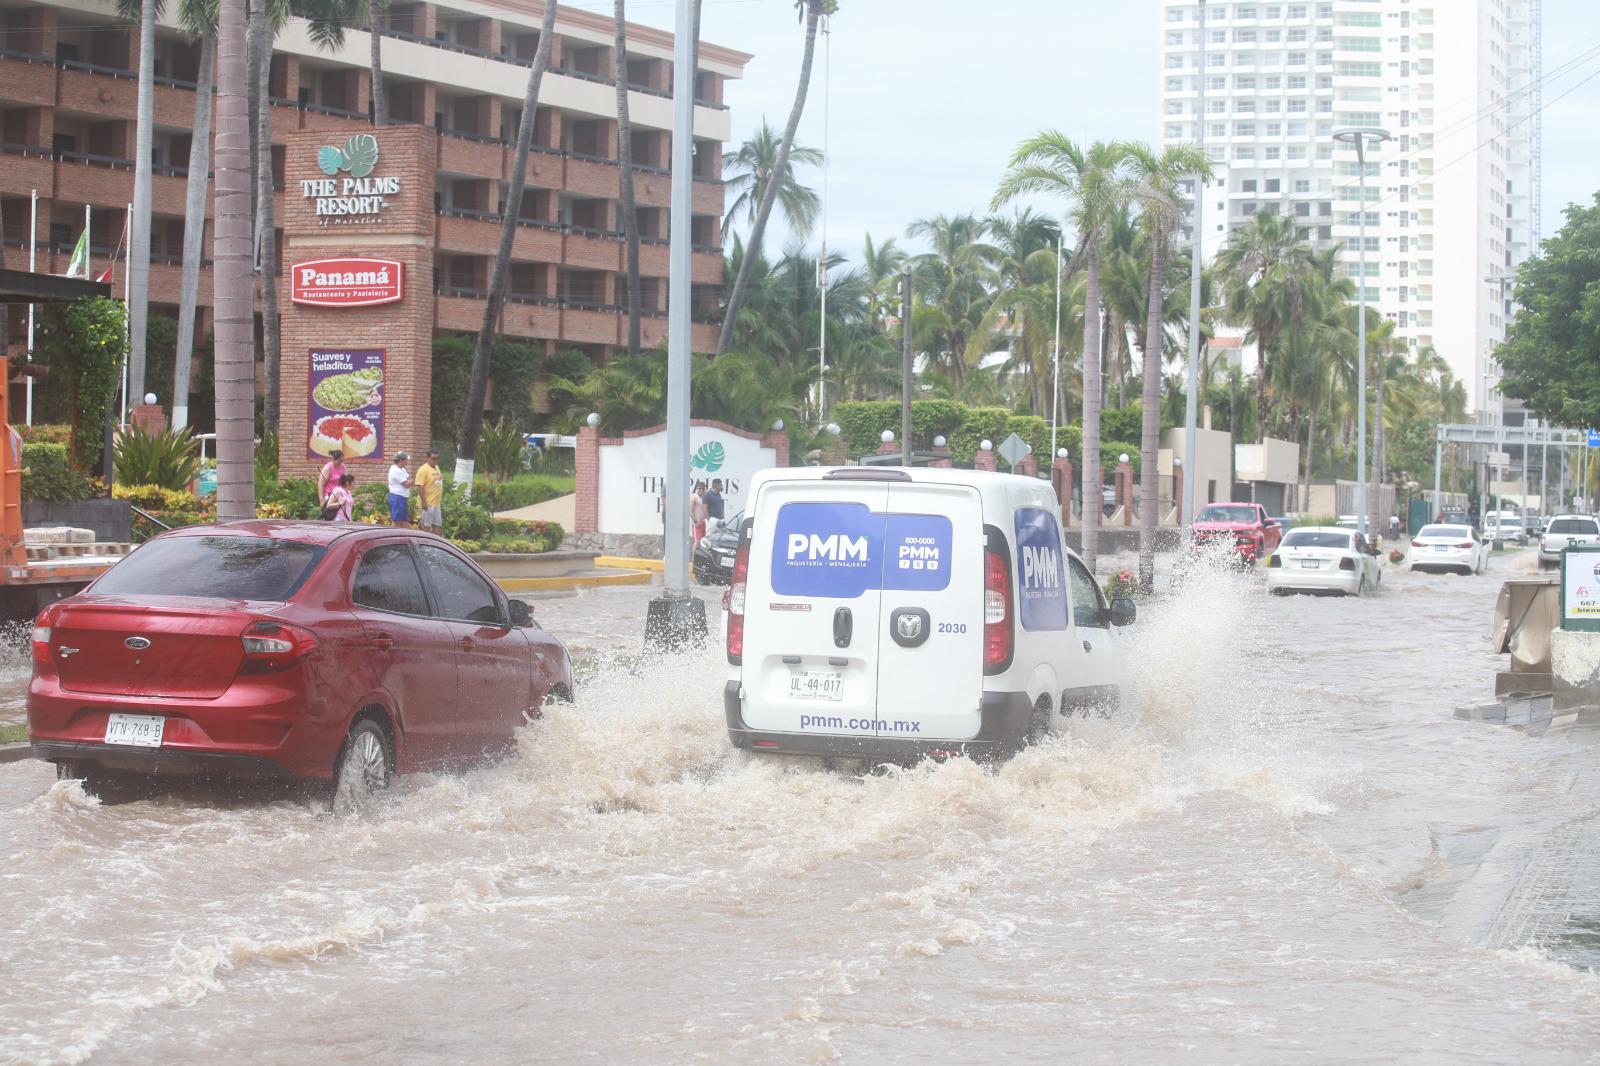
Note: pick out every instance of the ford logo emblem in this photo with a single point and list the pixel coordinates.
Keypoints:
(136, 643)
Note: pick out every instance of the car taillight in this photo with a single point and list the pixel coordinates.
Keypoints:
(736, 597)
(1465, 544)
(996, 612)
(273, 646)
(39, 642)
(1347, 564)
(1273, 560)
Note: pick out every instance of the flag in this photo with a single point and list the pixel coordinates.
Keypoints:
(79, 267)
(108, 275)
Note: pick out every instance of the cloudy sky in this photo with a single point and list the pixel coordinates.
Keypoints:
(928, 97)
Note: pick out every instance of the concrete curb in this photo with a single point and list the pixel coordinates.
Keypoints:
(15, 752)
(576, 581)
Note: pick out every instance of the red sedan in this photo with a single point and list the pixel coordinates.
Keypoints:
(288, 649)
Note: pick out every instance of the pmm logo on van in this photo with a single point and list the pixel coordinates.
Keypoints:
(1041, 594)
(841, 550)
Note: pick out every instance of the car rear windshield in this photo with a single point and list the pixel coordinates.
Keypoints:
(1228, 514)
(235, 568)
(1310, 538)
(1574, 525)
(1454, 532)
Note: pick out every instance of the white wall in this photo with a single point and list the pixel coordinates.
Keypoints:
(1213, 461)
(632, 475)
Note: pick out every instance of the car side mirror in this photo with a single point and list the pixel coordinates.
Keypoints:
(1123, 611)
(521, 615)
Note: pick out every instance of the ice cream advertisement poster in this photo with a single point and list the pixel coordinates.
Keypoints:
(346, 402)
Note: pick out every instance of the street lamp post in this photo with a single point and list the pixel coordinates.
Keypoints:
(1359, 137)
(1191, 400)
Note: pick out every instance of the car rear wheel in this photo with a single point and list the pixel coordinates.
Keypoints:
(365, 768)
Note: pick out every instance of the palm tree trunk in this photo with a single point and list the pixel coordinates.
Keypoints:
(1376, 473)
(380, 99)
(1091, 480)
(629, 206)
(235, 370)
(194, 229)
(478, 388)
(769, 195)
(266, 219)
(1261, 390)
(1150, 445)
(1311, 444)
(139, 235)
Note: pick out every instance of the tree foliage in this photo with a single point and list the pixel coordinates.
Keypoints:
(1551, 355)
(84, 343)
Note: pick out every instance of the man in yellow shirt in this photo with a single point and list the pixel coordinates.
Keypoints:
(430, 494)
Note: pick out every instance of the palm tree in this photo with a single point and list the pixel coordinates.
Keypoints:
(1092, 180)
(1264, 271)
(199, 18)
(265, 20)
(380, 98)
(951, 278)
(882, 264)
(628, 205)
(749, 172)
(235, 369)
(813, 11)
(1157, 179)
(478, 388)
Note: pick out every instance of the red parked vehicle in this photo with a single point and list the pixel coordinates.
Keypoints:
(287, 649)
(1253, 534)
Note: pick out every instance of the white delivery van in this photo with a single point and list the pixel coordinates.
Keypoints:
(894, 613)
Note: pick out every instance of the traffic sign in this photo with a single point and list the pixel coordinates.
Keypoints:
(1012, 449)
(1594, 438)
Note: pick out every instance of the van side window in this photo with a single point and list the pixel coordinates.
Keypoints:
(1088, 603)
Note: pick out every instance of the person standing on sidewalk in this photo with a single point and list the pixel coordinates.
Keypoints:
(430, 494)
(341, 500)
(400, 491)
(697, 515)
(328, 477)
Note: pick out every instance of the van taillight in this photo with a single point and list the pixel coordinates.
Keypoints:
(996, 612)
(736, 596)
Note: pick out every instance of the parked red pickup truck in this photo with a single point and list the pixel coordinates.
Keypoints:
(1247, 525)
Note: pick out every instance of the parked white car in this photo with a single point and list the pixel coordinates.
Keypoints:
(1566, 529)
(1458, 549)
(1507, 527)
(892, 614)
(1323, 559)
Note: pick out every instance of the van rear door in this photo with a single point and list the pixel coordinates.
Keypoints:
(930, 650)
(810, 661)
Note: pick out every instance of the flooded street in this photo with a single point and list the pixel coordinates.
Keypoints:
(1286, 846)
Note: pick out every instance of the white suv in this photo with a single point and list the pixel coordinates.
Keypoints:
(1566, 529)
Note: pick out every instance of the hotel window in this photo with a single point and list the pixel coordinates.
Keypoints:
(1248, 185)
(1274, 185)
(1244, 36)
(1216, 84)
(1175, 37)
(1297, 107)
(1175, 62)
(1174, 107)
(1217, 36)
(1244, 152)
(1272, 107)
(1272, 81)
(1245, 107)
(1174, 131)
(1297, 11)
(1297, 59)
(1175, 85)
(1295, 36)
(1270, 152)
(1245, 81)
(1274, 129)
(1297, 151)
(1244, 12)
(1244, 129)
(1297, 81)
(1301, 185)
(1273, 36)
(1217, 129)
(1216, 107)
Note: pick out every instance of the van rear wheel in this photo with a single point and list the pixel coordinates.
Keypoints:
(1039, 721)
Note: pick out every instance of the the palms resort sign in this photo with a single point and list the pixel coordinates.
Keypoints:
(350, 194)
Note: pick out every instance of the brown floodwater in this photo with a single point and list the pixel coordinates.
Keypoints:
(1286, 847)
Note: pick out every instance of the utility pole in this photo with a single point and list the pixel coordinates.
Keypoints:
(677, 618)
(905, 368)
(1055, 376)
(1191, 401)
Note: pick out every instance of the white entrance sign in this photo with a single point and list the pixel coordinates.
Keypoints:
(633, 474)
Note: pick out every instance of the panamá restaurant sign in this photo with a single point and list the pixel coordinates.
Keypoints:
(347, 282)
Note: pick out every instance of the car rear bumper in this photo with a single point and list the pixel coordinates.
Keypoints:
(1282, 577)
(1451, 560)
(262, 727)
(1003, 729)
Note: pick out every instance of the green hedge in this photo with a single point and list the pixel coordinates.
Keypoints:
(48, 474)
(862, 423)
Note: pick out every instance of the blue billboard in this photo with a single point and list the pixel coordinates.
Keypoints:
(840, 550)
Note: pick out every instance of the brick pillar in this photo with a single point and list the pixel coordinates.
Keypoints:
(943, 462)
(984, 459)
(778, 441)
(1124, 477)
(1177, 493)
(149, 417)
(587, 504)
(889, 447)
(1061, 478)
(1027, 466)
(833, 450)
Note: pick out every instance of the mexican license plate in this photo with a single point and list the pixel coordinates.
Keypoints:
(816, 684)
(135, 730)
(1310, 564)
(1441, 547)
(726, 560)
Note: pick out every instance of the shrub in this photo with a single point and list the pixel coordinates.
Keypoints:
(471, 547)
(55, 433)
(170, 458)
(156, 498)
(295, 498)
(500, 449)
(47, 475)
(524, 490)
(1111, 450)
(467, 521)
(84, 342)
